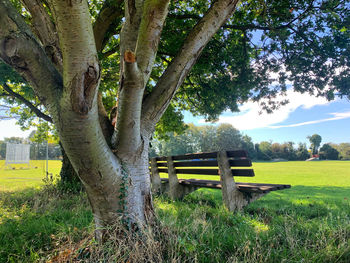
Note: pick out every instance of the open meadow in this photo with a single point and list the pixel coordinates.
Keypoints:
(308, 223)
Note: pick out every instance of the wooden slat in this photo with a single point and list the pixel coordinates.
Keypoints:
(276, 186)
(235, 154)
(162, 164)
(207, 155)
(217, 185)
(201, 183)
(253, 188)
(161, 158)
(241, 162)
(213, 163)
(196, 156)
(243, 172)
(198, 171)
(235, 172)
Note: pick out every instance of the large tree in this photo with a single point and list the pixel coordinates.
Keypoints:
(315, 141)
(65, 48)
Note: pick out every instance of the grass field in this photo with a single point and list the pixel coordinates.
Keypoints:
(308, 223)
(22, 177)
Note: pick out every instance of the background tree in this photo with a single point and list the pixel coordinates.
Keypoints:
(302, 153)
(155, 71)
(207, 135)
(315, 141)
(327, 152)
(248, 145)
(264, 150)
(206, 138)
(277, 151)
(343, 149)
(227, 138)
(177, 144)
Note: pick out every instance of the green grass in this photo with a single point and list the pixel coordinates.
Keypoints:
(22, 177)
(321, 173)
(308, 223)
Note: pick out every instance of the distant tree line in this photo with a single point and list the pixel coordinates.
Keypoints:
(225, 137)
(211, 138)
(37, 150)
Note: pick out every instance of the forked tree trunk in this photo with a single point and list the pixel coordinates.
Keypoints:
(118, 187)
(117, 183)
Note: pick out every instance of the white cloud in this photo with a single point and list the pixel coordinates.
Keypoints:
(337, 116)
(250, 118)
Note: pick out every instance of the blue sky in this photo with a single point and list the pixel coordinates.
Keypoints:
(303, 116)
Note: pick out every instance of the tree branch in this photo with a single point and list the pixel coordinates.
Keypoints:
(45, 30)
(20, 50)
(107, 20)
(34, 109)
(81, 73)
(127, 127)
(127, 138)
(156, 103)
(153, 17)
(111, 51)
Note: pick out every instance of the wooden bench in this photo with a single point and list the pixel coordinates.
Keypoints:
(236, 195)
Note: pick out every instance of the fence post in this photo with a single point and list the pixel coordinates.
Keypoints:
(230, 194)
(155, 178)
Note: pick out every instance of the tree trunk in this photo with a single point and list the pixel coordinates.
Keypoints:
(69, 178)
(118, 187)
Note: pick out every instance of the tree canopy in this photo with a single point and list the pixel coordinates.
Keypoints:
(255, 54)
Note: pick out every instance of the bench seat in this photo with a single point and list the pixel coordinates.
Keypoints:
(243, 187)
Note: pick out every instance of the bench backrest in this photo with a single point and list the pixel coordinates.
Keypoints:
(202, 163)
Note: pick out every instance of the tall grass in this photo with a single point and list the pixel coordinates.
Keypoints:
(308, 223)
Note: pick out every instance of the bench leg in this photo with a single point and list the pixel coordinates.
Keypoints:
(243, 199)
(180, 192)
(155, 178)
(232, 197)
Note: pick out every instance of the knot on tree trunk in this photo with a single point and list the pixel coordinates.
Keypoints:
(129, 56)
(9, 48)
(84, 87)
